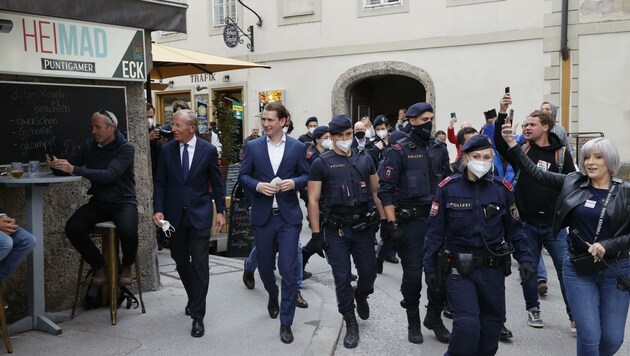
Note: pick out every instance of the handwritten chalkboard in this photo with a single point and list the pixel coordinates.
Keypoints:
(39, 118)
(240, 235)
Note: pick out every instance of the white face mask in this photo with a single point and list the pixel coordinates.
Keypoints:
(167, 228)
(344, 145)
(151, 121)
(311, 130)
(327, 144)
(479, 168)
(368, 133)
(285, 129)
(381, 133)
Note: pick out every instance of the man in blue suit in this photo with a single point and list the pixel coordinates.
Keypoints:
(182, 197)
(274, 169)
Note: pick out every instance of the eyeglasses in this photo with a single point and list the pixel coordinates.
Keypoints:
(106, 114)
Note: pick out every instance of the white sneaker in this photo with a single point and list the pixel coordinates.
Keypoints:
(573, 329)
(533, 318)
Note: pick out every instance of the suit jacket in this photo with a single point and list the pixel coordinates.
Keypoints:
(256, 168)
(172, 194)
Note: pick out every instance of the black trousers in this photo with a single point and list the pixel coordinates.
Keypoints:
(125, 216)
(190, 249)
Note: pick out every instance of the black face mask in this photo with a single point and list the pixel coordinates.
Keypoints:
(359, 134)
(422, 132)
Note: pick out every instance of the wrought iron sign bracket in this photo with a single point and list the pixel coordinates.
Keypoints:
(233, 34)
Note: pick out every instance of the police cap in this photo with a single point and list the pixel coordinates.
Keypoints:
(417, 109)
(311, 119)
(380, 120)
(476, 143)
(320, 131)
(395, 137)
(339, 124)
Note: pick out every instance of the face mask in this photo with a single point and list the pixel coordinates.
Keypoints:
(344, 145)
(479, 168)
(167, 228)
(423, 132)
(359, 134)
(285, 129)
(311, 130)
(151, 121)
(368, 133)
(327, 144)
(381, 134)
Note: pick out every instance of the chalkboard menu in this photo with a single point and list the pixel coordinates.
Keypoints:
(39, 118)
(232, 177)
(240, 235)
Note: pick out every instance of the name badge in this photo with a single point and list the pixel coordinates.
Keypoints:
(543, 165)
(589, 204)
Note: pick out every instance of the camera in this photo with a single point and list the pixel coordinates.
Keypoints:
(166, 134)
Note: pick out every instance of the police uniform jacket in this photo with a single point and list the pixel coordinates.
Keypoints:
(465, 211)
(345, 182)
(412, 169)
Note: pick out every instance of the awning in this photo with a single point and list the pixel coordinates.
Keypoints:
(151, 15)
(173, 62)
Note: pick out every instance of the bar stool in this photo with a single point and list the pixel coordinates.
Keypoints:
(4, 329)
(109, 239)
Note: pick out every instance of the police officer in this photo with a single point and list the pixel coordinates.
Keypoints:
(307, 138)
(343, 183)
(474, 225)
(379, 145)
(412, 171)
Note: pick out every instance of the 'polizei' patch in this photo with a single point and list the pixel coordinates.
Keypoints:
(514, 212)
(388, 172)
(435, 207)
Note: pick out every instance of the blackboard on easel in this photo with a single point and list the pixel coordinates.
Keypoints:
(240, 234)
(38, 118)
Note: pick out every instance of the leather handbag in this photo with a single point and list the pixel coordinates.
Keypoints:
(584, 264)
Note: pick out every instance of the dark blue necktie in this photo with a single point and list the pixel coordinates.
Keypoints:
(185, 161)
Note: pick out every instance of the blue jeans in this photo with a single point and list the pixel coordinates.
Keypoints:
(13, 249)
(537, 237)
(251, 263)
(599, 308)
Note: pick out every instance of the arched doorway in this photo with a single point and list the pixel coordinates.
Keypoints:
(381, 88)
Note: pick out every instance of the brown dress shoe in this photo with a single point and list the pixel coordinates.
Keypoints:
(300, 302)
(125, 275)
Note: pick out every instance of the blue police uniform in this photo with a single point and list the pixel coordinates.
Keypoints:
(345, 198)
(468, 219)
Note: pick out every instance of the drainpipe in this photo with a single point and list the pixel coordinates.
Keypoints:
(565, 101)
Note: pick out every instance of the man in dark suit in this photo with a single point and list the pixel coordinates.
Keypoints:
(182, 197)
(274, 169)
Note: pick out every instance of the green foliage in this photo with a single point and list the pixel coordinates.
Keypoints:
(226, 125)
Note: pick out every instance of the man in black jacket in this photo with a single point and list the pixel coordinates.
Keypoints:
(536, 203)
(107, 162)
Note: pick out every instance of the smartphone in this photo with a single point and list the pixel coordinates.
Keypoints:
(507, 90)
(50, 153)
(453, 114)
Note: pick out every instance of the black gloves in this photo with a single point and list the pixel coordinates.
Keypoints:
(384, 229)
(316, 245)
(526, 271)
(396, 234)
(432, 280)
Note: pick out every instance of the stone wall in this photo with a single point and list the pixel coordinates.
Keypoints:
(60, 202)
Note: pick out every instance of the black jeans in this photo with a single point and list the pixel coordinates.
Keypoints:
(125, 216)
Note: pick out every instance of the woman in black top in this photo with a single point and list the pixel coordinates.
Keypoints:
(599, 307)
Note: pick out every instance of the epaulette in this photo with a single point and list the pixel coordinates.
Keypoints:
(507, 184)
(399, 147)
(451, 178)
(444, 181)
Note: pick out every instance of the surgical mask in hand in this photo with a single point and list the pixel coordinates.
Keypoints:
(344, 145)
(327, 144)
(381, 134)
(479, 168)
(167, 228)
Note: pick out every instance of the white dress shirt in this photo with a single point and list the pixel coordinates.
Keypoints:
(191, 150)
(276, 152)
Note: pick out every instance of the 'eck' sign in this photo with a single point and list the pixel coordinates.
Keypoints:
(230, 35)
(53, 47)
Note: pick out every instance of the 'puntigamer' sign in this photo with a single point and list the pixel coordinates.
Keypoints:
(54, 47)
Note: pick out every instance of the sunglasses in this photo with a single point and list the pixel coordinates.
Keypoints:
(106, 114)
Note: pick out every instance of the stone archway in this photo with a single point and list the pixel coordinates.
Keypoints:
(345, 82)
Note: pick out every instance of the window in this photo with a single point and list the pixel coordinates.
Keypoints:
(377, 3)
(223, 9)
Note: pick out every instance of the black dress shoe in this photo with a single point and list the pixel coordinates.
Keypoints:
(354, 277)
(391, 259)
(306, 275)
(505, 334)
(286, 335)
(187, 310)
(300, 302)
(197, 328)
(248, 278)
(273, 307)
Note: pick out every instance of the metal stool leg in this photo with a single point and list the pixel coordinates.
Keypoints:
(3, 323)
(76, 292)
(139, 284)
(110, 252)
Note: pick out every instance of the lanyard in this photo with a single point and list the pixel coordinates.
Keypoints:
(601, 215)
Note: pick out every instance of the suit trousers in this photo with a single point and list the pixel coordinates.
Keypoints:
(190, 248)
(278, 232)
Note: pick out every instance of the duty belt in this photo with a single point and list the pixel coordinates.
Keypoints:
(406, 214)
(275, 211)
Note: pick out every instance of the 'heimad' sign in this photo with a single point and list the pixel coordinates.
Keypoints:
(54, 47)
